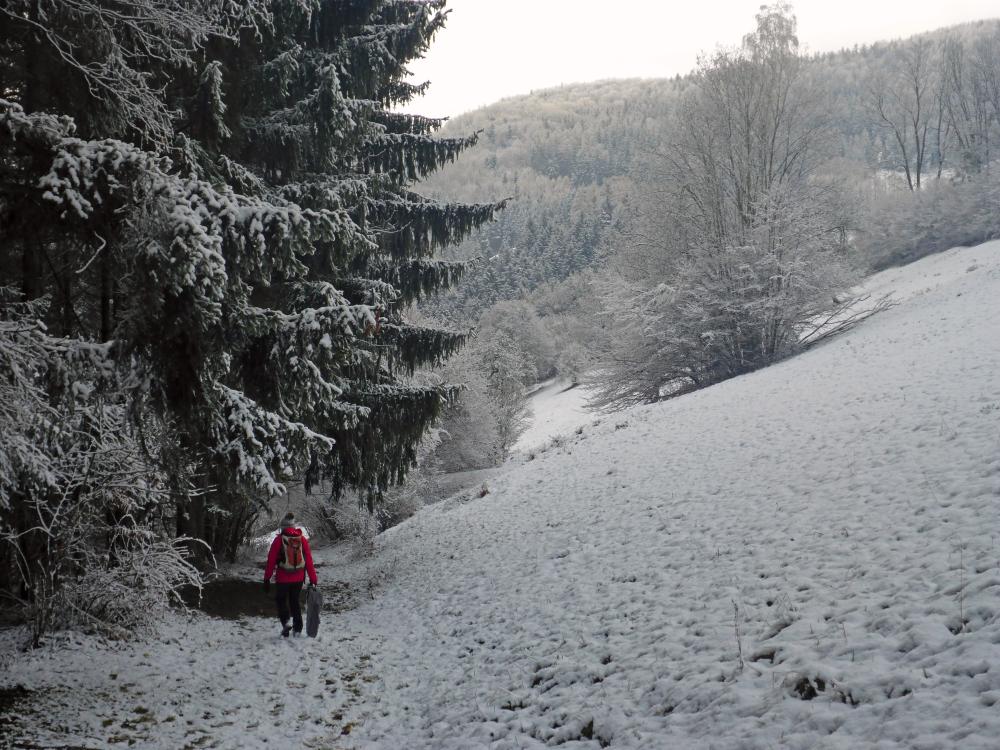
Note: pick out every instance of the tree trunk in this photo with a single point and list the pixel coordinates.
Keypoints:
(31, 271)
(34, 100)
(107, 322)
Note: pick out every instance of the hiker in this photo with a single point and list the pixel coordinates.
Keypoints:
(291, 557)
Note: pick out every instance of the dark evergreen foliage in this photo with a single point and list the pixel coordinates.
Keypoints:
(247, 250)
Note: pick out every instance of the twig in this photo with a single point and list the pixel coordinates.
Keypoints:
(94, 256)
(739, 641)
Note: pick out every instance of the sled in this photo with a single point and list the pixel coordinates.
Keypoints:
(314, 603)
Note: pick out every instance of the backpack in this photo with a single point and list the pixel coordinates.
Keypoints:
(291, 556)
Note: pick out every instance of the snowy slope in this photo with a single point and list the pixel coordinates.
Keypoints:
(556, 409)
(804, 557)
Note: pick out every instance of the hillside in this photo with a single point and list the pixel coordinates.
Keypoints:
(803, 557)
(575, 163)
(831, 522)
(566, 158)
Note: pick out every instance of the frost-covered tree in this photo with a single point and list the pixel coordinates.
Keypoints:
(743, 242)
(80, 496)
(246, 262)
(519, 322)
(906, 100)
(480, 425)
(506, 369)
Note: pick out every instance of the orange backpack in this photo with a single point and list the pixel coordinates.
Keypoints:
(291, 557)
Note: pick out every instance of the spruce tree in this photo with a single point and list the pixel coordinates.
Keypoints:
(303, 118)
(250, 258)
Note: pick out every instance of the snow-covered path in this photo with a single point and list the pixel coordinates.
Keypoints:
(804, 557)
(557, 408)
(206, 683)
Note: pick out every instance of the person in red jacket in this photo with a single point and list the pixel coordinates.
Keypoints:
(291, 557)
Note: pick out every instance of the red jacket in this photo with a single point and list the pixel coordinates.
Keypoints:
(289, 576)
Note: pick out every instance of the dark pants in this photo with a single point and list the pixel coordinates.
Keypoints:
(288, 599)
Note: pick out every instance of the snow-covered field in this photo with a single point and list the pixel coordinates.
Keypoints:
(556, 409)
(804, 557)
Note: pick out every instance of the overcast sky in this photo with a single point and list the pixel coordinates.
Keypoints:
(491, 49)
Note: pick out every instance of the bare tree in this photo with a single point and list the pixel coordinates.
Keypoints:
(81, 500)
(966, 104)
(985, 74)
(906, 102)
(750, 240)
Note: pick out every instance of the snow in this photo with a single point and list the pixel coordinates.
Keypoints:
(804, 557)
(205, 683)
(557, 408)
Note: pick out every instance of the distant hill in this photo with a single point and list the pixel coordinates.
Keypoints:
(567, 158)
(571, 159)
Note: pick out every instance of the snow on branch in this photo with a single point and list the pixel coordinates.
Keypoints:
(260, 444)
(110, 48)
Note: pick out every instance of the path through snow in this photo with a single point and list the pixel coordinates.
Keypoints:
(206, 683)
(557, 408)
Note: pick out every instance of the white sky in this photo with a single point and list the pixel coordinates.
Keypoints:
(492, 49)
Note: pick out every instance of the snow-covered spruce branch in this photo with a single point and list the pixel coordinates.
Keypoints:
(133, 36)
(202, 235)
(260, 445)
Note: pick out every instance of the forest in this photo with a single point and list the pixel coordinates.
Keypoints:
(580, 274)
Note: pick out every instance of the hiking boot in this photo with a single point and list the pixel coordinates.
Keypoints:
(285, 630)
